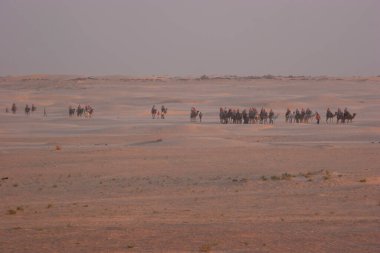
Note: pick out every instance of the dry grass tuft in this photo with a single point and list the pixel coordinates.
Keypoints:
(327, 175)
(286, 176)
(205, 248)
(363, 180)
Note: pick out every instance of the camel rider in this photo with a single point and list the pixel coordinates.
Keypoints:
(271, 113)
(317, 117)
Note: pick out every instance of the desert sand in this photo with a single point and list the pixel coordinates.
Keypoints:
(123, 182)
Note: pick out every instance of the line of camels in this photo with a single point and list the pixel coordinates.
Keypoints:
(226, 116)
(27, 109)
(86, 111)
(253, 116)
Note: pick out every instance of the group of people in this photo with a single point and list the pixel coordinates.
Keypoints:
(157, 114)
(27, 109)
(252, 116)
(301, 116)
(86, 111)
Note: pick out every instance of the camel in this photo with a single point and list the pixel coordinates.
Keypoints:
(27, 109)
(80, 111)
(339, 116)
(291, 117)
(287, 115)
(330, 116)
(273, 118)
(263, 116)
(71, 111)
(154, 112)
(164, 111)
(252, 115)
(193, 114)
(14, 108)
(88, 112)
(349, 117)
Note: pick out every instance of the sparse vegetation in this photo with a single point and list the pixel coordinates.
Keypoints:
(286, 176)
(58, 148)
(205, 248)
(11, 212)
(363, 180)
(275, 177)
(49, 206)
(327, 175)
(263, 178)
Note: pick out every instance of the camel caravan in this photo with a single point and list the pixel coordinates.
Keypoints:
(226, 116)
(80, 111)
(27, 109)
(194, 114)
(342, 117)
(306, 116)
(156, 114)
(234, 116)
(301, 116)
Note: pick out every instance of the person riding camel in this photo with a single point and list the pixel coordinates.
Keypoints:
(345, 113)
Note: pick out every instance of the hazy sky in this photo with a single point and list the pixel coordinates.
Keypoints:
(190, 37)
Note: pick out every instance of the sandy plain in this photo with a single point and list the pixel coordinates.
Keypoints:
(123, 182)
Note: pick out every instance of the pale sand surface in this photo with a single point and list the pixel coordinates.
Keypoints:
(114, 188)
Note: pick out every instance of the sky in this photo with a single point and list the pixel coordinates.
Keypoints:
(190, 37)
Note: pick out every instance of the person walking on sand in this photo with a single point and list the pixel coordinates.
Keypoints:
(317, 117)
(200, 116)
(45, 114)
